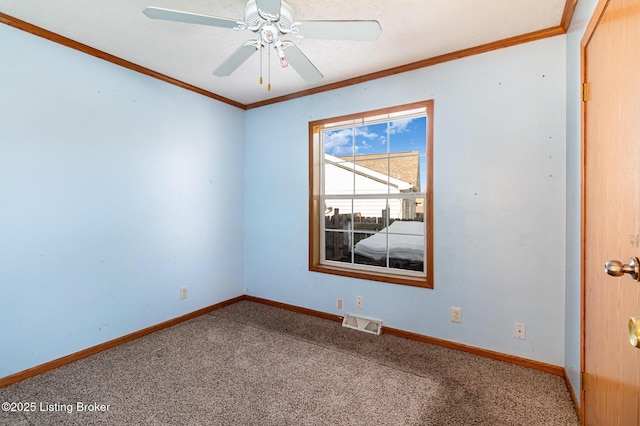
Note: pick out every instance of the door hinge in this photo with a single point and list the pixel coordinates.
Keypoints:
(584, 92)
(583, 381)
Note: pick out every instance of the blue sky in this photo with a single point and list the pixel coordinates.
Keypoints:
(404, 135)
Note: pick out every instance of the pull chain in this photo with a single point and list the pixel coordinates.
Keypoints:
(269, 69)
(260, 64)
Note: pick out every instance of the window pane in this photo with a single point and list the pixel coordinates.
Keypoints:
(338, 214)
(409, 134)
(407, 143)
(406, 245)
(338, 246)
(370, 245)
(372, 174)
(371, 148)
(406, 209)
(338, 176)
(406, 234)
(370, 214)
(371, 249)
(371, 139)
(338, 143)
(404, 171)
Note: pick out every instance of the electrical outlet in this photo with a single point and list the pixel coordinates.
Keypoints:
(456, 314)
(359, 302)
(519, 330)
(339, 304)
(184, 292)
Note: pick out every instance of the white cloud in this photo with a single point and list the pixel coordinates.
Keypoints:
(339, 142)
(400, 126)
(365, 133)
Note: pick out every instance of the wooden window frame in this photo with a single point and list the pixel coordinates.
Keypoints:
(315, 215)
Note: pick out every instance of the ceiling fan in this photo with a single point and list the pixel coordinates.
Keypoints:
(270, 20)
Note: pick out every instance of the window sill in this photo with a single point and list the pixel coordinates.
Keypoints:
(424, 282)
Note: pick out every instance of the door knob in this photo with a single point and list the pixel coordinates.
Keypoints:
(634, 331)
(617, 269)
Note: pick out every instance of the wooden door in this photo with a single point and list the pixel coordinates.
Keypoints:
(611, 67)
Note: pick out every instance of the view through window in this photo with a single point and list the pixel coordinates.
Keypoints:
(371, 195)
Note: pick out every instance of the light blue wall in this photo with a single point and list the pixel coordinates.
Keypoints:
(499, 201)
(581, 18)
(116, 189)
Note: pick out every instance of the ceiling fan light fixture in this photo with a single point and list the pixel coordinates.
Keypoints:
(269, 34)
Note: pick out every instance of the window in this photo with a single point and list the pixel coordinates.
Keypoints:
(371, 195)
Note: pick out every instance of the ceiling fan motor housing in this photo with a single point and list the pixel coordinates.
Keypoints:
(254, 19)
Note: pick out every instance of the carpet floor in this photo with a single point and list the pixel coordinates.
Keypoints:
(252, 364)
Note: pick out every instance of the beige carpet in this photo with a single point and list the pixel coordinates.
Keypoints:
(251, 364)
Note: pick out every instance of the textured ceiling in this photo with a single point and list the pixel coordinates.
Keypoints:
(412, 30)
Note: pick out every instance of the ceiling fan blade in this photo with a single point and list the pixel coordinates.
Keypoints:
(188, 17)
(340, 30)
(269, 7)
(301, 63)
(235, 60)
